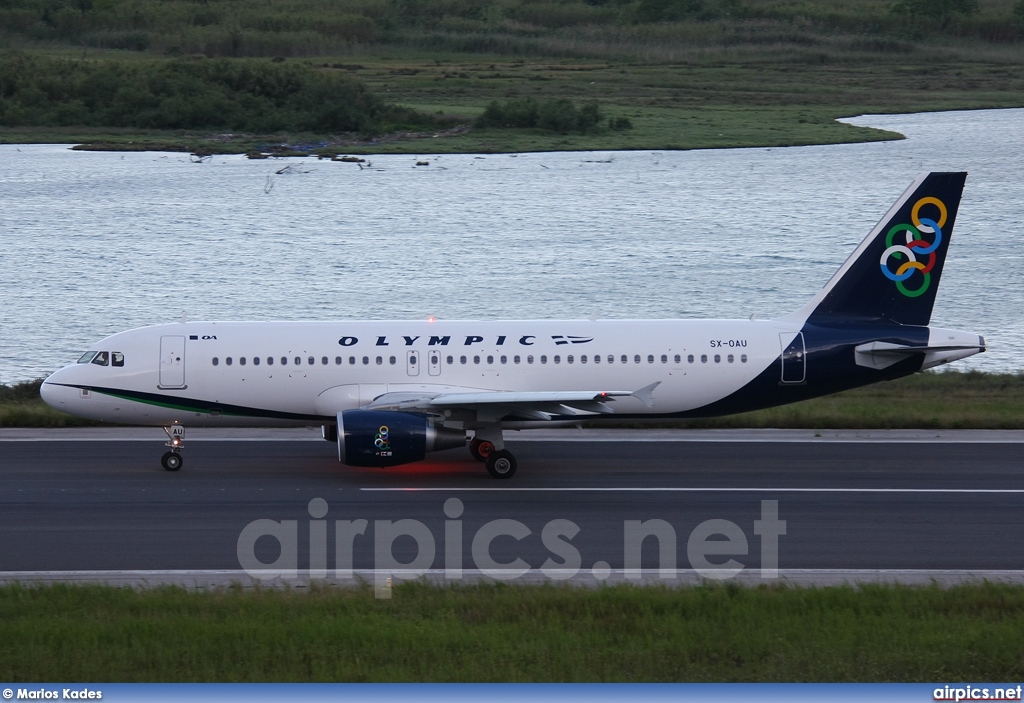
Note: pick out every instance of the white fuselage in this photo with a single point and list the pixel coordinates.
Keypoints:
(295, 372)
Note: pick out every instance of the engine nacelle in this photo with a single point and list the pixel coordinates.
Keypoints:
(388, 438)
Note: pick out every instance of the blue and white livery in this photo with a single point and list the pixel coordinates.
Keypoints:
(389, 392)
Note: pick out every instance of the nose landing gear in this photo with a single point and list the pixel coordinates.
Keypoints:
(172, 460)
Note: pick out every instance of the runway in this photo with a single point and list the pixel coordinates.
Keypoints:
(917, 503)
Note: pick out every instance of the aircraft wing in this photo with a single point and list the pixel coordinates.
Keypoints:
(536, 405)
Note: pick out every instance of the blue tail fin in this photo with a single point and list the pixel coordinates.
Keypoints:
(894, 273)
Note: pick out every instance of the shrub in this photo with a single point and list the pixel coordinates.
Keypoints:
(238, 95)
(557, 115)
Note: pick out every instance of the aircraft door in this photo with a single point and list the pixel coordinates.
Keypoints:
(172, 362)
(412, 363)
(794, 358)
(434, 362)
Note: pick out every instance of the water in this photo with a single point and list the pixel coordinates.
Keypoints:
(94, 243)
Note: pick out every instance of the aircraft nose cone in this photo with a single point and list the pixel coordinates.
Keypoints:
(52, 394)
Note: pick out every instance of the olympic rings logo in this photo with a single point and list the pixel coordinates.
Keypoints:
(381, 439)
(906, 255)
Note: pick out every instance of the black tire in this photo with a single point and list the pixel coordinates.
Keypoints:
(171, 461)
(501, 464)
(479, 451)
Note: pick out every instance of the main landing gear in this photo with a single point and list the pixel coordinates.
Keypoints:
(172, 460)
(488, 446)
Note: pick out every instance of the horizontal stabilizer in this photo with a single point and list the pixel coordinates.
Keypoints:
(880, 355)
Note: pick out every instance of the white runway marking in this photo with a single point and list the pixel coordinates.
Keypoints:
(700, 489)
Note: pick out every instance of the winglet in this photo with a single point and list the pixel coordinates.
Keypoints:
(646, 394)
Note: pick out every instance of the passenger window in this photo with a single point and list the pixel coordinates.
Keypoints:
(743, 358)
(504, 359)
(298, 361)
(557, 359)
(611, 359)
(352, 361)
(323, 361)
(366, 361)
(568, 359)
(228, 361)
(284, 361)
(529, 358)
(597, 358)
(255, 361)
(270, 361)
(450, 360)
(490, 359)
(116, 359)
(664, 358)
(718, 358)
(636, 359)
(650, 358)
(337, 361)
(703, 358)
(216, 361)
(101, 359)
(678, 359)
(476, 359)
(380, 360)
(543, 359)
(689, 358)
(241, 361)
(462, 360)
(86, 357)
(625, 359)
(392, 360)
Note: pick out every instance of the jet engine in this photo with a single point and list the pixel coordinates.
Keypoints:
(388, 438)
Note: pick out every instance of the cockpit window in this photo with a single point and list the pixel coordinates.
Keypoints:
(116, 359)
(101, 358)
(86, 357)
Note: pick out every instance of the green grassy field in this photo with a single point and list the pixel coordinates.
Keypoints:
(949, 400)
(694, 74)
(514, 634)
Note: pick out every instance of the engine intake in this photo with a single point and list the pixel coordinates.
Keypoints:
(388, 438)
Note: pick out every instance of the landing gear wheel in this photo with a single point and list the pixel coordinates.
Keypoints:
(171, 461)
(481, 449)
(501, 464)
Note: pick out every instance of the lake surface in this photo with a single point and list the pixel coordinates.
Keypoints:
(94, 243)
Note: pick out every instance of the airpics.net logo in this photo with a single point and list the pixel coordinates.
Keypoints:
(713, 548)
(904, 257)
(971, 692)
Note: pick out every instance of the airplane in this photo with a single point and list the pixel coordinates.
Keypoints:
(389, 392)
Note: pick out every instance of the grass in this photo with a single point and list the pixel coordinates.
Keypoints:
(517, 633)
(765, 99)
(743, 73)
(949, 400)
